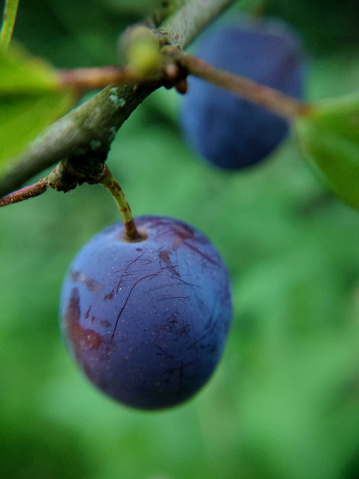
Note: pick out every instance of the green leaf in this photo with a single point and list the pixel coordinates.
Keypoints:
(329, 135)
(31, 97)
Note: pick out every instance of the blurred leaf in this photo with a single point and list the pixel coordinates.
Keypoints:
(9, 17)
(330, 137)
(30, 99)
(21, 71)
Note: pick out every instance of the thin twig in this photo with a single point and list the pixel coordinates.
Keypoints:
(87, 79)
(26, 193)
(267, 97)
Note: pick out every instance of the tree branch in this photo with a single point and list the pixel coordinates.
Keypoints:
(26, 193)
(271, 99)
(86, 131)
(194, 16)
(96, 78)
(89, 130)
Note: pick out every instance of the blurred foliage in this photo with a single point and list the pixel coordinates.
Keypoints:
(329, 135)
(284, 402)
(30, 99)
(324, 24)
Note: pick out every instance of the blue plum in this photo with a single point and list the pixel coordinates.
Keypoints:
(229, 131)
(147, 320)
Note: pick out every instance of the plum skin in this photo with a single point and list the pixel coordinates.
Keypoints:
(227, 130)
(147, 321)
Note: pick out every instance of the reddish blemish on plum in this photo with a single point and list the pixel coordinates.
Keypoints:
(109, 296)
(91, 284)
(80, 337)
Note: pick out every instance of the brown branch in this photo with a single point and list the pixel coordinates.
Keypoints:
(25, 193)
(272, 99)
(89, 130)
(87, 79)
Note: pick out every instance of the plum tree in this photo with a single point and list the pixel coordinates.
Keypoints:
(146, 317)
(147, 320)
(229, 131)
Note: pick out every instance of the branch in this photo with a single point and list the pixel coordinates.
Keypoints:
(192, 18)
(89, 130)
(86, 131)
(83, 80)
(262, 95)
(26, 193)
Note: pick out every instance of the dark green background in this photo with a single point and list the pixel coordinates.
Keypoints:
(284, 402)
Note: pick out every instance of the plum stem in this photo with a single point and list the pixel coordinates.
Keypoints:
(269, 98)
(112, 186)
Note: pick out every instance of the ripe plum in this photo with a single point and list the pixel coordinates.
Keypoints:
(147, 320)
(229, 131)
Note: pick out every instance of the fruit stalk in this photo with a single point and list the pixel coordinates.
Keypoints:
(112, 186)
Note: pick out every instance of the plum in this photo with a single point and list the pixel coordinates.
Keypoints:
(227, 130)
(147, 320)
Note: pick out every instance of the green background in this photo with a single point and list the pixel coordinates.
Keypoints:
(284, 402)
